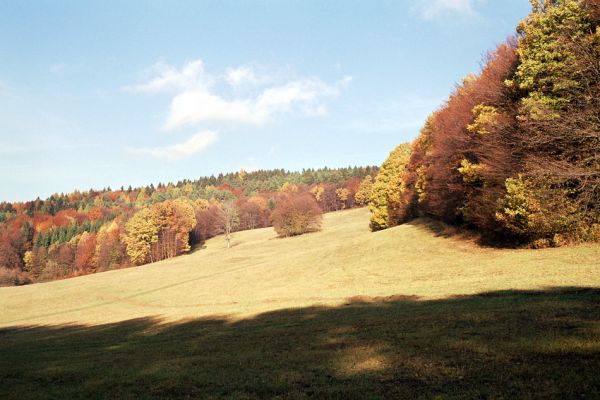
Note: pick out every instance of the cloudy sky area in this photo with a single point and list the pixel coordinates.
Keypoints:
(109, 93)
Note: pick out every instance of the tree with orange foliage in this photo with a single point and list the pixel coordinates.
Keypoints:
(65, 259)
(252, 216)
(84, 254)
(296, 215)
(207, 223)
(9, 256)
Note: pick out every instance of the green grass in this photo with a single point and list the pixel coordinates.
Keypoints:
(344, 313)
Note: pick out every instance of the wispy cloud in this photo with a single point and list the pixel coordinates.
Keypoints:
(431, 9)
(246, 75)
(200, 97)
(58, 67)
(167, 78)
(194, 145)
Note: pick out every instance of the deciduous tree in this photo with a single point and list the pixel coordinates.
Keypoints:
(388, 187)
(84, 254)
(141, 232)
(296, 215)
(363, 195)
(230, 220)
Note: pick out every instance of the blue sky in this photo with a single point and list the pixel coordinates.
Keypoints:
(111, 93)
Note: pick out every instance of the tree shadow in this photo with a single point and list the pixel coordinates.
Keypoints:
(197, 247)
(438, 228)
(463, 233)
(509, 344)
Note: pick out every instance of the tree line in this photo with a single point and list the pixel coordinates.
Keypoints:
(515, 150)
(86, 232)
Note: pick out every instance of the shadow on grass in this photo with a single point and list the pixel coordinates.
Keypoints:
(197, 247)
(441, 229)
(496, 345)
(464, 233)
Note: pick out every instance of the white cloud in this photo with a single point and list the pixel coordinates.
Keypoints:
(200, 105)
(195, 144)
(168, 78)
(430, 9)
(245, 75)
(199, 98)
(197, 105)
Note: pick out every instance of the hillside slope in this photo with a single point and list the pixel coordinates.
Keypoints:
(261, 273)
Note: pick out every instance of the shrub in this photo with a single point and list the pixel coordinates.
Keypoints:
(13, 277)
(296, 215)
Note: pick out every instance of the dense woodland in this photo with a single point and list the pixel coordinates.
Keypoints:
(85, 232)
(515, 151)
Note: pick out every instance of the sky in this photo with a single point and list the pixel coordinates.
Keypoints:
(97, 94)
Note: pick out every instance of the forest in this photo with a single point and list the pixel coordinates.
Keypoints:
(85, 232)
(514, 153)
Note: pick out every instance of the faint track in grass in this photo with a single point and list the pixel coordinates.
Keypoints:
(132, 296)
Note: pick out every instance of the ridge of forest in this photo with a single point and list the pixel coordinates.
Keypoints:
(97, 230)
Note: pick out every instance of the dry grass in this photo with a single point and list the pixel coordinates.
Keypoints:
(340, 314)
(261, 273)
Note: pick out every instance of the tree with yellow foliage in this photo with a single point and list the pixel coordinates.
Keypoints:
(342, 194)
(288, 188)
(318, 191)
(140, 233)
(388, 187)
(363, 195)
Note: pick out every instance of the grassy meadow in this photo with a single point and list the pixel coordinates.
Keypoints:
(410, 312)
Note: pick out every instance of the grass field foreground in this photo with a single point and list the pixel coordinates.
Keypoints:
(406, 313)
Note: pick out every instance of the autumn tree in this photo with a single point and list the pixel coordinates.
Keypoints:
(84, 254)
(229, 220)
(208, 223)
(343, 195)
(318, 191)
(141, 232)
(160, 231)
(559, 52)
(65, 259)
(296, 215)
(329, 198)
(109, 250)
(38, 261)
(175, 220)
(385, 197)
(253, 213)
(363, 195)
(9, 256)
